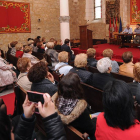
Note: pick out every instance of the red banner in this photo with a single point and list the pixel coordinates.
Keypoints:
(134, 11)
(14, 17)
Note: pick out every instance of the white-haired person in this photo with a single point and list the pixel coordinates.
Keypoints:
(80, 63)
(100, 79)
(63, 66)
(52, 53)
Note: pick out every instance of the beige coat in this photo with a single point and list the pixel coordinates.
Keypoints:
(24, 82)
(6, 77)
(33, 59)
(127, 69)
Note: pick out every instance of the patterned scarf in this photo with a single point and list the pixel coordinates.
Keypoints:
(65, 106)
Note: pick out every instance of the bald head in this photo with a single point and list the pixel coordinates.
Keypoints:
(128, 26)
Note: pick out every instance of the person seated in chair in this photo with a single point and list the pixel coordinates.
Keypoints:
(118, 121)
(19, 50)
(100, 79)
(135, 86)
(63, 66)
(127, 67)
(7, 75)
(91, 57)
(24, 64)
(71, 105)
(12, 49)
(52, 53)
(109, 53)
(42, 80)
(25, 123)
(80, 63)
(28, 54)
(137, 31)
(127, 38)
(66, 47)
(58, 45)
(40, 47)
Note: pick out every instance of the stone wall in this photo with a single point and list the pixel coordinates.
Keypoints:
(45, 10)
(49, 11)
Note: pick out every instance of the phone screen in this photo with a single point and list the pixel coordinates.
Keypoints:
(35, 97)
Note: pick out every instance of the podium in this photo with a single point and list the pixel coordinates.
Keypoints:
(85, 38)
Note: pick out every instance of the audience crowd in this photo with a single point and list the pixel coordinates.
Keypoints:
(64, 100)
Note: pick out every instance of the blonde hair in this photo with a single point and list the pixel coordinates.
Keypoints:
(27, 49)
(108, 53)
(59, 42)
(136, 72)
(23, 63)
(80, 60)
(19, 46)
(91, 52)
(63, 56)
(50, 45)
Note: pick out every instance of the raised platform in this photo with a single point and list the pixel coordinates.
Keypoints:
(117, 52)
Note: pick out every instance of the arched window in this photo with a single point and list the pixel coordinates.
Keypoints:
(97, 9)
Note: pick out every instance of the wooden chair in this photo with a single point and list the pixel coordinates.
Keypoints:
(48, 59)
(20, 95)
(57, 76)
(12, 59)
(93, 97)
(74, 134)
(115, 39)
(38, 55)
(115, 75)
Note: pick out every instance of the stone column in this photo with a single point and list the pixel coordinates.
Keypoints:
(64, 20)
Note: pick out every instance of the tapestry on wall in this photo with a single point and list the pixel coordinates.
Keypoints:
(134, 11)
(14, 17)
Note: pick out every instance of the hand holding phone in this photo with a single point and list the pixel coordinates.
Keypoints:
(28, 108)
(48, 108)
(35, 97)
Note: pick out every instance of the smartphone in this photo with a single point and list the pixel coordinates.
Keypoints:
(35, 97)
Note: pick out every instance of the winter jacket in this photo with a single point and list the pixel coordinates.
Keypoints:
(25, 128)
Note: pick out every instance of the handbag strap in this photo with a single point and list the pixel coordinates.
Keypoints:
(61, 67)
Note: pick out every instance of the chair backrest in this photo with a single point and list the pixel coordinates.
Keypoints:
(115, 75)
(93, 97)
(20, 95)
(122, 77)
(38, 55)
(48, 59)
(115, 36)
(57, 76)
(73, 134)
(12, 59)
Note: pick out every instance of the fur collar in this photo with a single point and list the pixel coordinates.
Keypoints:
(77, 111)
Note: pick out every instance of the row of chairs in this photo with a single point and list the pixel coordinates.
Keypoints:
(115, 75)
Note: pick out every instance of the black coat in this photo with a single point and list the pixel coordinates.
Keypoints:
(45, 86)
(84, 124)
(101, 79)
(40, 50)
(135, 90)
(66, 48)
(25, 128)
(57, 47)
(85, 76)
(92, 62)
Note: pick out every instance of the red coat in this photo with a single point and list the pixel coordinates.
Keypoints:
(19, 54)
(105, 132)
